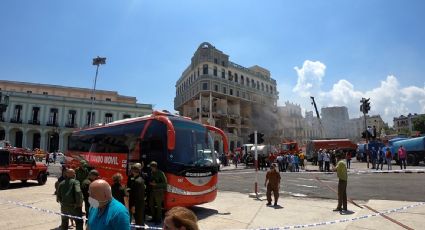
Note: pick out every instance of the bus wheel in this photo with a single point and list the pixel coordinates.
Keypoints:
(42, 178)
(4, 181)
(411, 159)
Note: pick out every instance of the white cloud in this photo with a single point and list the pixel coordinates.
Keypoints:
(309, 77)
(388, 99)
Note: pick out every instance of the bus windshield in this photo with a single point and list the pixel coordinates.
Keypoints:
(193, 145)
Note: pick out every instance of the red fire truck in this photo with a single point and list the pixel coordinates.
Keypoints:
(19, 164)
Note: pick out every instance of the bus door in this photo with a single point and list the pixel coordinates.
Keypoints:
(153, 145)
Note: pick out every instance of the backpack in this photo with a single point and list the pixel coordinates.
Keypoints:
(388, 154)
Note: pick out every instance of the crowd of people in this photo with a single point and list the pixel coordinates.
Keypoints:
(117, 206)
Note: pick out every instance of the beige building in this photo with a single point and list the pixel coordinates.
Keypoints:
(293, 126)
(214, 90)
(404, 124)
(44, 116)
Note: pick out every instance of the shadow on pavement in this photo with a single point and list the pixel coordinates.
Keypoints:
(348, 212)
(203, 213)
(18, 185)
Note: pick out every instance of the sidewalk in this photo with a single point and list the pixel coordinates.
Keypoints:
(362, 167)
(238, 211)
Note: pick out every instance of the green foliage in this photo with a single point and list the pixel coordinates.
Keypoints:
(419, 124)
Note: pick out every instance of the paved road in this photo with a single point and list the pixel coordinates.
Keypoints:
(391, 186)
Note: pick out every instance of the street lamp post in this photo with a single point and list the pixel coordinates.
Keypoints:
(97, 62)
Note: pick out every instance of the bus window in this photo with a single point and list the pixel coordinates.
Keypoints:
(193, 145)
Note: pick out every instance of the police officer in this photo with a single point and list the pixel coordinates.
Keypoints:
(158, 185)
(136, 191)
(273, 179)
(93, 175)
(70, 197)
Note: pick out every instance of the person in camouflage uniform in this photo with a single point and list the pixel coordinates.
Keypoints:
(82, 172)
(70, 197)
(93, 175)
(158, 186)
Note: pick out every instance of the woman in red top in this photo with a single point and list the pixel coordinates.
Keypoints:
(348, 159)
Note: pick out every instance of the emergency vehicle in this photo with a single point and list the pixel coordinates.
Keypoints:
(19, 164)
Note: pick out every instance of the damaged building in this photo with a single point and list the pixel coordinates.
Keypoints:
(236, 99)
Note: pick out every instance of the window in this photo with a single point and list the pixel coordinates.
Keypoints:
(230, 77)
(198, 71)
(205, 86)
(247, 81)
(252, 83)
(242, 80)
(231, 91)
(108, 118)
(29, 91)
(243, 94)
(237, 93)
(236, 77)
(70, 123)
(223, 63)
(35, 116)
(215, 61)
(262, 86)
(216, 88)
(17, 114)
(53, 117)
(45, 93)
(215, 71)
(223, 73)
(108, 99)
(126, 116)
(224, 90)
(93, 98)
(258, 85)
(267, 88)
(90, 119)
(205, 69)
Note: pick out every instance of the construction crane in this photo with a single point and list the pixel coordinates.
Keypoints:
(313, 102)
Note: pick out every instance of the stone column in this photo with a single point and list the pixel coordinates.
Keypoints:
(43, 144)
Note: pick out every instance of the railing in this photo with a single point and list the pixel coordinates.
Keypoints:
(70, 125)
(52, 123)
(16, 120)
(33, 122)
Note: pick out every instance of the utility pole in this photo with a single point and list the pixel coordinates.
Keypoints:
(97, 62)
(364, 108)
(256, 164)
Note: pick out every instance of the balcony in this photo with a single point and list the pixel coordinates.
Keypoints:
(71, 125)
(16, 120)
(33, 122)
(52, 123)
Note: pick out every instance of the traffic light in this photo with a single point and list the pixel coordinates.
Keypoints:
(251, 138)
(365, 106)
(260, 138)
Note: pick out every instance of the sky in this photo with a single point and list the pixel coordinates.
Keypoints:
(335, 50)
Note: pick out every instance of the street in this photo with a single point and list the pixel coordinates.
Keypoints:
(391, 186)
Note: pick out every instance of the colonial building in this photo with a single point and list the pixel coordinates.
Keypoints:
(44, 116)
(404, 124)
(215, 90)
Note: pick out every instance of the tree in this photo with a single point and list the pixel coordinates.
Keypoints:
(419, 124)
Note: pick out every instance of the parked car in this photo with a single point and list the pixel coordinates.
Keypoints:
(59, 158)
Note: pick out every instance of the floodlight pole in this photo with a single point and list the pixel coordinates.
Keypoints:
(97, 62)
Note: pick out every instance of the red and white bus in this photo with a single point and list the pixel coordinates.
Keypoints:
(182, 148)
